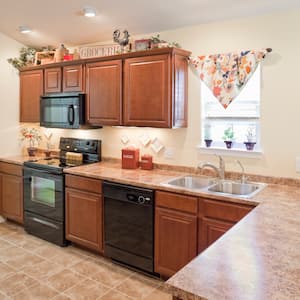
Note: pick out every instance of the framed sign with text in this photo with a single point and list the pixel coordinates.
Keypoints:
(99, 50)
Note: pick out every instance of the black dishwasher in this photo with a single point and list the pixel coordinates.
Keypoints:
(128, 225)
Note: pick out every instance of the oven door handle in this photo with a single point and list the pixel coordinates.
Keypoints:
(45, 223)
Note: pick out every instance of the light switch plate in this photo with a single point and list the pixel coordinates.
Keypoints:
(298, 164)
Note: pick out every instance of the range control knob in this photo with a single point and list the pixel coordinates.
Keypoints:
(141, 199)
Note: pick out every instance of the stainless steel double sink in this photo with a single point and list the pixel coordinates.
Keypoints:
(216, 186)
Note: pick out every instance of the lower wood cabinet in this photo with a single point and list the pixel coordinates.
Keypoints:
(84, 212)
(216, 218)
(175, 232)
(211, 230)
(11, 193)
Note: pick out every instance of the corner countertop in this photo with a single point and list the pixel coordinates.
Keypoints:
(258, 258)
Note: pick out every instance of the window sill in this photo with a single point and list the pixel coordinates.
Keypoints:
(231, 152)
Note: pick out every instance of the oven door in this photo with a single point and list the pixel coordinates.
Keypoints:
(44, 193)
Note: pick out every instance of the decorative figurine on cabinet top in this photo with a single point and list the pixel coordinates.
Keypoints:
(123, 42)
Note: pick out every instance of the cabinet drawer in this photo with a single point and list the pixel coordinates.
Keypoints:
(84, 183)
(224, 210)
(12, 169)
(176, 201)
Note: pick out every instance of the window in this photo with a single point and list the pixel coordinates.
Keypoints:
(242, 115)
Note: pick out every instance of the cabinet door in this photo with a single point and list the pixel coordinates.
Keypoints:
(73, 78)
(211, 230)
(84, 219)
(147, 91)
(175, 240)
(12, 197)
(31, 88)
(52, 80)
(104, 97)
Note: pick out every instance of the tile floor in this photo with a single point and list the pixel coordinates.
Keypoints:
(31, 268)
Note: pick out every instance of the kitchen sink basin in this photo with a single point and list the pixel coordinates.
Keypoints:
(236, 188)
(191, 182)
(215, 186)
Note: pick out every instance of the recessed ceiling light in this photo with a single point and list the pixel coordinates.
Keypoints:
(89, 12)
(24, 29)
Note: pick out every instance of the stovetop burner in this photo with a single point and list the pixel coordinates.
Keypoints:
(90, 149)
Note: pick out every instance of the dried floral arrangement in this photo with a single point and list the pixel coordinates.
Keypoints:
(155, 40)
(28, 55)
(26, 58)
(32, 135)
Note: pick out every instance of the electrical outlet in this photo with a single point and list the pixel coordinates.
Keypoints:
(169, 153)
(298, 164)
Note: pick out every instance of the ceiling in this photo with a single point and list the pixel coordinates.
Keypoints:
(61, 21)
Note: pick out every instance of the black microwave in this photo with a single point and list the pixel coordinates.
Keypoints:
(64, 110)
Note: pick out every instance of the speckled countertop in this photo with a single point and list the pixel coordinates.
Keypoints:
(258, 258)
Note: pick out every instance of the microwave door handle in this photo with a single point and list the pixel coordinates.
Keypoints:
(71, 114)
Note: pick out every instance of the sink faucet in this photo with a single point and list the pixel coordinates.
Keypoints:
(219, 170)
(243, 177)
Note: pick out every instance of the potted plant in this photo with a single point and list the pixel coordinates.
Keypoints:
(33, 136)
(207, 135)
(251, 138)
(228, 136)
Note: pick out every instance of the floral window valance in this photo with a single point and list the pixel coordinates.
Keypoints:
(226, 74)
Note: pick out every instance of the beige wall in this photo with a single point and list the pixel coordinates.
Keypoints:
(9, 97)
(280, 103)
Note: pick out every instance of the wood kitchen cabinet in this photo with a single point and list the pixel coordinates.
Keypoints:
(175, 232)
(52, 80)
(104, 92)
(73, 79)
(31, 88)
(11, 196)
(216, 218)
(84, 212)
(155, 90)
(68, 78)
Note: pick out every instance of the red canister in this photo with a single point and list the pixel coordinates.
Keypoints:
(130, 158)
(146, 162)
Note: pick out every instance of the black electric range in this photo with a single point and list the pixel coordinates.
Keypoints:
(44, 191)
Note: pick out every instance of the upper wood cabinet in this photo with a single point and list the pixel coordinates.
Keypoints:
(73, 80)
(52, 80)
(104, 92)
(155, 90)
(67, 79)
(143, 88)
(31, 88)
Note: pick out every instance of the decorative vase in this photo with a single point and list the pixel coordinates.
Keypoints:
(31, 151)
(208, 142)
(249, 145)
(228, 144)
(47, 153)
